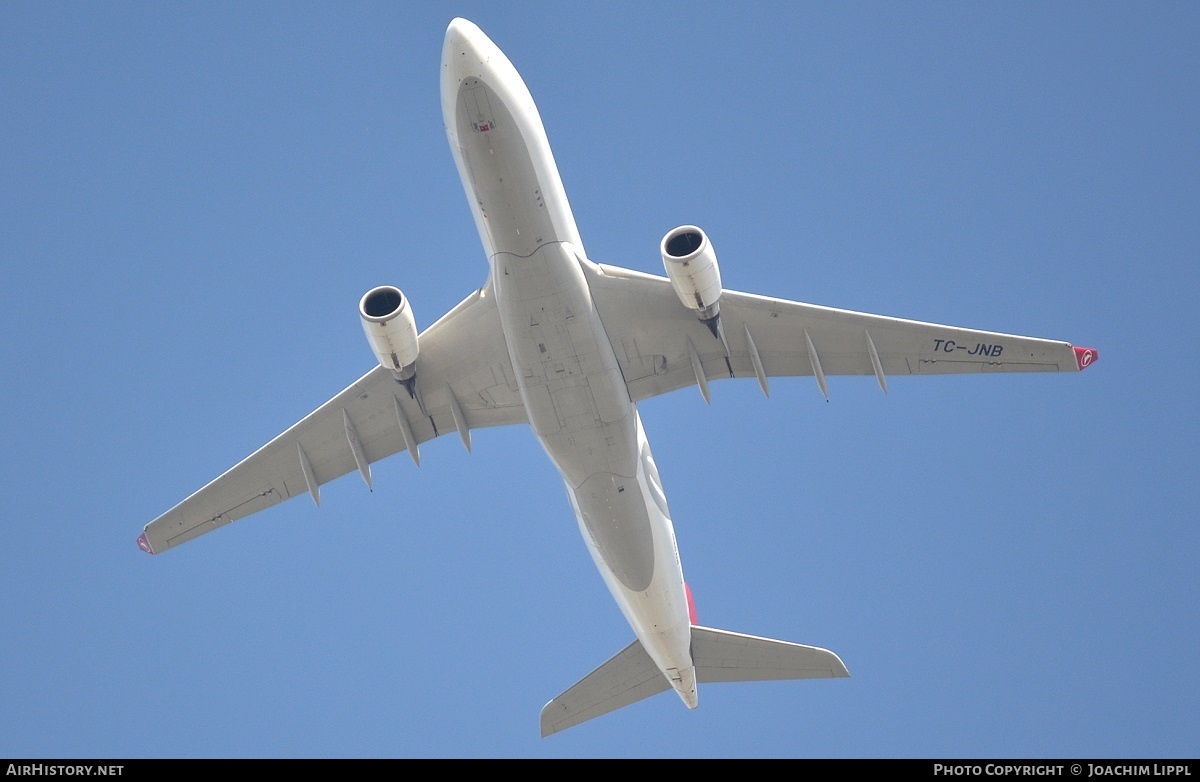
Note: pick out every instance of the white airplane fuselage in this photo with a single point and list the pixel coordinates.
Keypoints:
(574, 392)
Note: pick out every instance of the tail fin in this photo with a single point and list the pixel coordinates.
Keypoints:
(719, 656)
(627, 678)
(722, 656)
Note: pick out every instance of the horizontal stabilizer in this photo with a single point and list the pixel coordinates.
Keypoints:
(722, 656)
(719, 656)
(627, 678)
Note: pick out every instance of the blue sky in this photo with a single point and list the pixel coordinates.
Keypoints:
(194, 196)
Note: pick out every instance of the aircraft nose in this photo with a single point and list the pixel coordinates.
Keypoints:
(469, 53)
(461, 38)
(455, 31)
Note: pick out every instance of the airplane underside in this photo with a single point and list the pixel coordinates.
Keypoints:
(568, 346)
(570, 381)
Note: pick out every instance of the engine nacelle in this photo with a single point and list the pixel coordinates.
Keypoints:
(388, 322)
(691, 263)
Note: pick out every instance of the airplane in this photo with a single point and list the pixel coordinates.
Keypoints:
(569, 347)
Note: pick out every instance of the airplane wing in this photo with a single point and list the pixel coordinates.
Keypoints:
(464, 380)
(662, 346)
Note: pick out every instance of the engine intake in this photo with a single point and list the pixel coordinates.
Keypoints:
(391, 329)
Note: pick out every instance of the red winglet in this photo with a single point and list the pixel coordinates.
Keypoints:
(144, 544)
(1085, 357)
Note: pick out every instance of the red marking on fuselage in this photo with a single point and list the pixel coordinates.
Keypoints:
(691, 604)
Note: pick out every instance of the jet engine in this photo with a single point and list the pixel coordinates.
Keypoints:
(691, 263)
(388, 322)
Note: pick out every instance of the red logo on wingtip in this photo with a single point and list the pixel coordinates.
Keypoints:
(144, 544)
(1085, 357)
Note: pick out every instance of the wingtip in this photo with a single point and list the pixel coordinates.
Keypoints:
(546, 720)
(144, 544)
(1085, 357)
